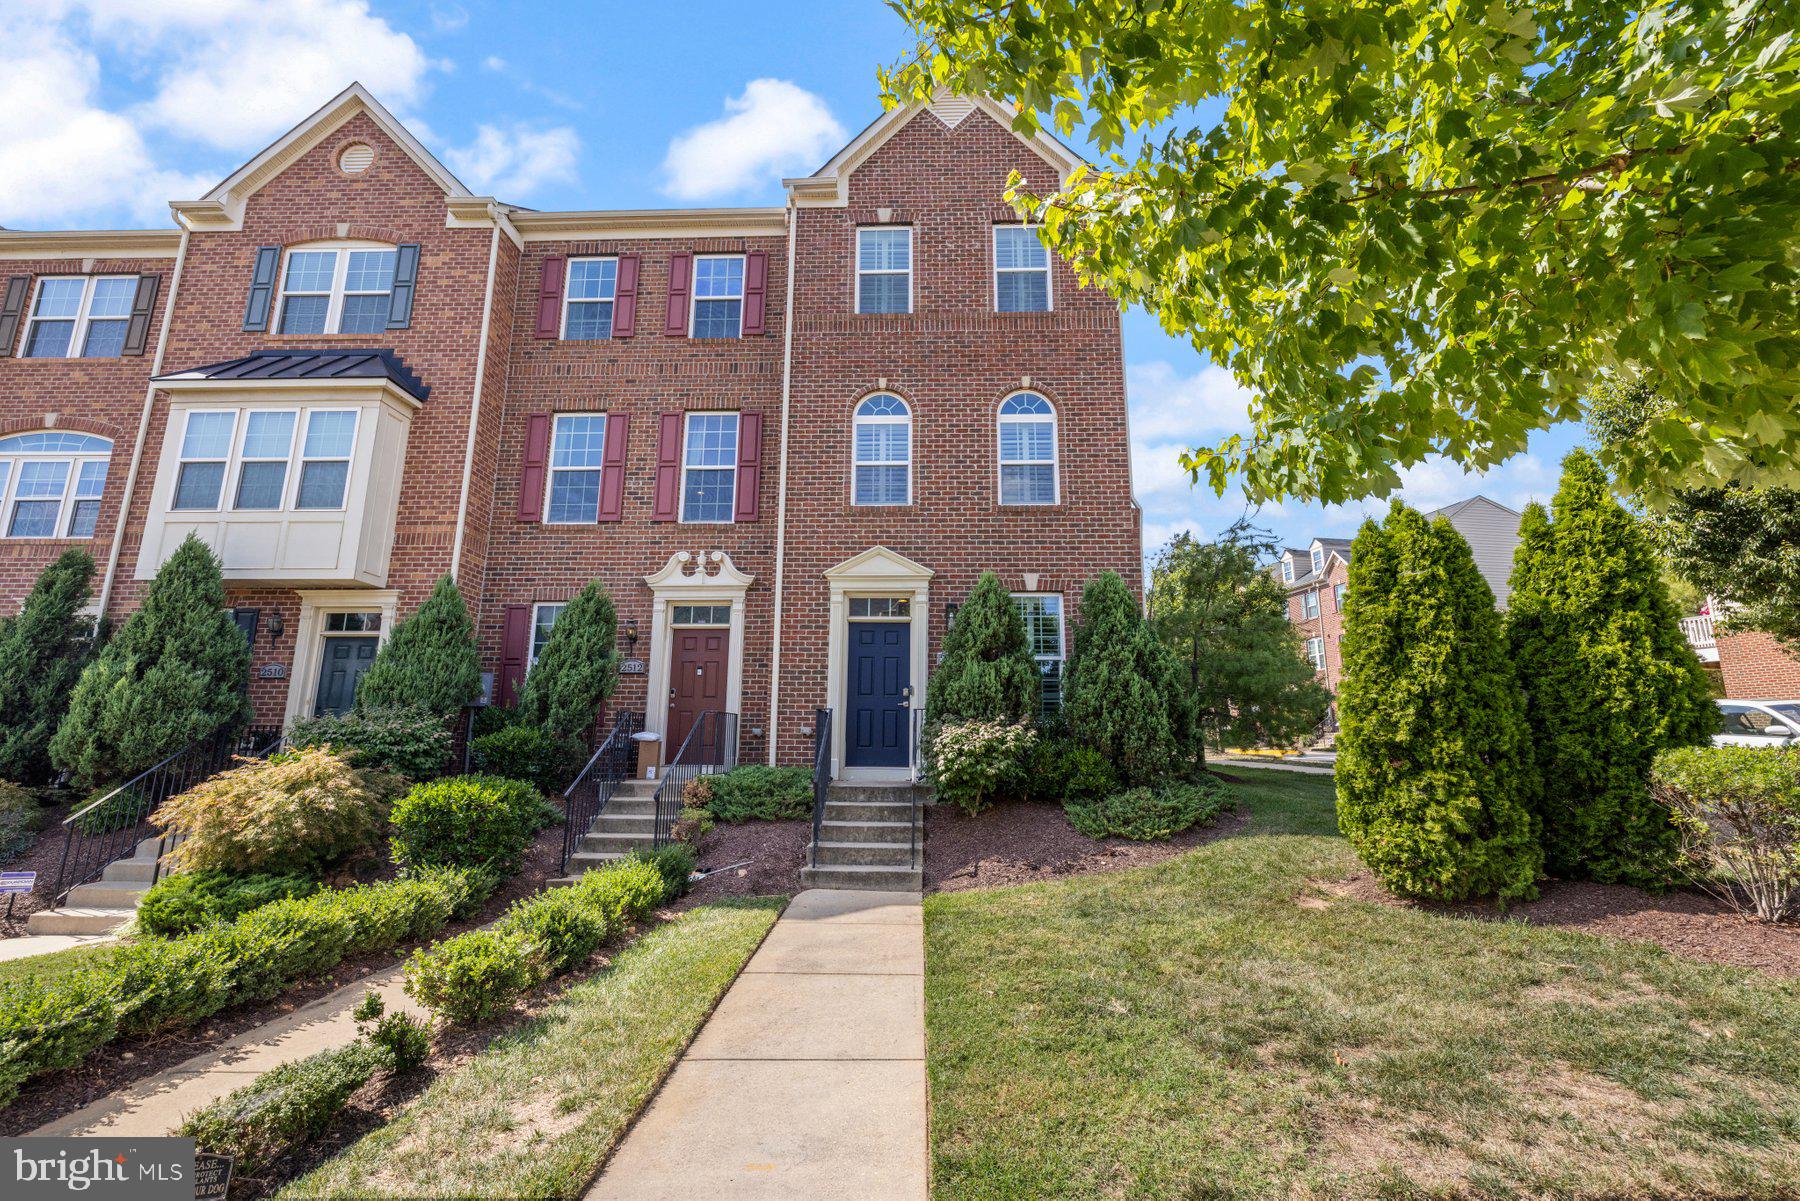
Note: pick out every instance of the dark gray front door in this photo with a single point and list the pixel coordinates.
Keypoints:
(340, 667)
(879, 707)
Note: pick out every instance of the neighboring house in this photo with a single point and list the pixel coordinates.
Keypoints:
(1749, 665)
(1316, 576)
(786, 439)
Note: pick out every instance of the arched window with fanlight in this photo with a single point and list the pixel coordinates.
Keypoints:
(883, 445)
(1028, 470)
(51, 482)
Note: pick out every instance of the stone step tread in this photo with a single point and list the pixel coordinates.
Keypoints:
(870, 822)
(828, 845)
(72, 919)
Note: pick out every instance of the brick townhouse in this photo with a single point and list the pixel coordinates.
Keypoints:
(786, 439)
(1748, 664)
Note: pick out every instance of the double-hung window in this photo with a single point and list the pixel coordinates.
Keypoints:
(884, 269)
(325, 459)
(343, 290)
(882, 430)
(1315, 651)
(1021, 270)
(1337, 596)
(718, 296)
(709, 467)
(1309, 604)
(588, 299)
(51, 483)
(1318, 560)
(263, 459)
(205, 452)
(543, 617)
(256, 448)
(1027, 450)
(1287, 569)
(577, 456)
(77, 316)
(1043, 614)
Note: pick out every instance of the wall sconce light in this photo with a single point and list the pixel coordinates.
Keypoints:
(631, 634)
(276, 628)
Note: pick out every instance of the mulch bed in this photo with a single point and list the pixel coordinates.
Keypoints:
(126, 1061)
(1683, 922)
(776, 852)
(1023, 841)
(41, 857)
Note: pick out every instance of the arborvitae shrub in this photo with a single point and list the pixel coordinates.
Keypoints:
(42, 653)
(987, 672)
(429, 661)
(577, 669)
(177, 671)
(1123, 695)
(1434, 772)
(1609, 679)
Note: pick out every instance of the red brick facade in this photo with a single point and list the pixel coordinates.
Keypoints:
(1756, 667)
(1326, 623)
(953, 359)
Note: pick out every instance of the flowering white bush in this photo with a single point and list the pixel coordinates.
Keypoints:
(974, 763)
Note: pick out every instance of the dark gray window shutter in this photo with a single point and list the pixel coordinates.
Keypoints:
(11, 307)
(406, 279)
(262, 290)
(137, 332)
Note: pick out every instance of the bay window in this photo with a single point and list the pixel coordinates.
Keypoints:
(261, 461)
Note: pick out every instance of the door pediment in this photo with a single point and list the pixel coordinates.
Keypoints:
(878, 564)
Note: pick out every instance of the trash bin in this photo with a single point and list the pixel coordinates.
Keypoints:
(649, 753)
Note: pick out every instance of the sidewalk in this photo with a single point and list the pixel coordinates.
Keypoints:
(809, 1079)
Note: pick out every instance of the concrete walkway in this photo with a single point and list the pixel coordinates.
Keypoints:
(809, 1079)
(27, 945)
(157, 1104)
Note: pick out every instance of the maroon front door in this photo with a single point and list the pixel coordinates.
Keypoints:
(696, 681)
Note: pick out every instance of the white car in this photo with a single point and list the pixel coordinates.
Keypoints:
(1759, 723)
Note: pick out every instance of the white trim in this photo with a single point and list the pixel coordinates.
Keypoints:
(1317, 659)
(687, 444)
(1001, 419)
(562, 326)
(694, 297)
(339, 291)
(550, 469)
(12, 466)
(620, 224)
(787, 389)
(82, 319)
(309, 637)
(877, 571)
(912, 243)
(856, 420)
(531, 651)
(1049, 272)
(674, 584)
(1062, 631)
(297, 458)
(481, 352)
(84, 244)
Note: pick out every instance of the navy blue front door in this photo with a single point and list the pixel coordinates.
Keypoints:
(879, 727)
(341, 668)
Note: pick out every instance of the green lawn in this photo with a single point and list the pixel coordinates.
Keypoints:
(1194, 1030)
(536, 1113)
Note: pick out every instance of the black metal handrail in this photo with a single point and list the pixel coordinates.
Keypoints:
(109, 828)
(821, 780)
(711, 746)
(585, 799)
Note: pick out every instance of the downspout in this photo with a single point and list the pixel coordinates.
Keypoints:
(137, 453)
(787, 388)
(481, 350)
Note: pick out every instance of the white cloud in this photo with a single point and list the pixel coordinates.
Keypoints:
(494, 62)
(516, 160)
(774, 128)
(1166, 404)
(448, 18)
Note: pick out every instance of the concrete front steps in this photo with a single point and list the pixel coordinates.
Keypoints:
(106, 904)
(628, 824)
(866, 840)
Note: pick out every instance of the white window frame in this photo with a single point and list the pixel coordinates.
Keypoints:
(687, 443)
(1049, 275)
(712, 607)
(334, 305)
(297, 458)
(1337, 595)
(694, 297)
(537, 609)
(235, 480)
(551, 470)
(1001, 419)
(1309, 605)
(1287, 569)
(856, 420)
(912, 244)
(562, 331)
(1062, 637)
(1318, 559)
(83, 315)
(1315, 651)
(12, 467)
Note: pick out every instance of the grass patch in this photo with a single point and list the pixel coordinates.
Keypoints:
(1192, 1030)
(55, 963)
(537, 1112)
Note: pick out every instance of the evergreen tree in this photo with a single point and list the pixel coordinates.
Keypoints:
(577, 669)
(42, 653)
(1434, 771)
(1609, 680)
(1124, 694)
(429, 662)
(178, 670)
(987, 672)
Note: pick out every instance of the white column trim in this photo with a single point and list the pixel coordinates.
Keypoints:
(309, 637)
(877, 571)
(673, 585)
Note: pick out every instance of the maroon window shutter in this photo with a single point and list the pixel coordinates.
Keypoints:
(12, 306)
(143, 304)
(756, 287)
(612, 468)
(625, 297)
(749, 467)
(515, 655)
(681, 282)
(550, 289)
(668, 468)
(531, 477)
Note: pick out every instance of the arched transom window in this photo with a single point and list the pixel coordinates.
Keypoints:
(1027, 450)
(883, 438)
(51, 482)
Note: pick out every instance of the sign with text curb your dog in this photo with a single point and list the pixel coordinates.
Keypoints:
(97, 1169)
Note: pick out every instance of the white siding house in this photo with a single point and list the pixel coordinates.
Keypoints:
(1492, 532)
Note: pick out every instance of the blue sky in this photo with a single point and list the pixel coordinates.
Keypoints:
(110, 108)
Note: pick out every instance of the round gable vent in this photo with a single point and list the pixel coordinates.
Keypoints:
(355, 158)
